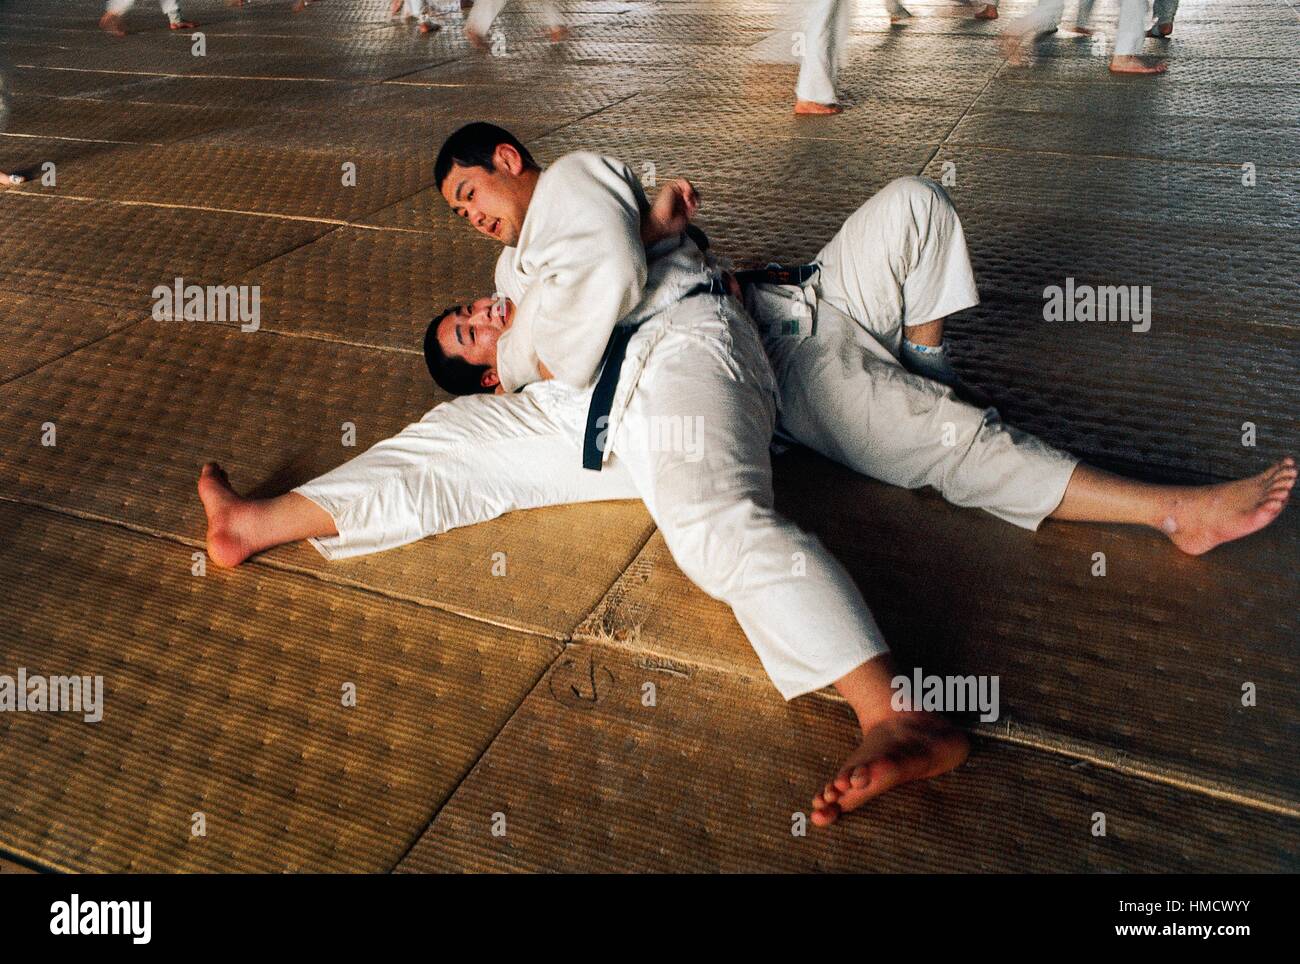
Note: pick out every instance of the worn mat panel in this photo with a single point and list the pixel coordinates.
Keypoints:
(1104, 391)
(116, 254)
(1145, 664)
(219, 91)
(1204, 273)
(1121, 189)
(210, 174)
(1213, 141)
(223, 695)
(38, 330)
(711, 116)
(370, 287)
(83, 119)
(1263, 102)
(710, 779)
(1188, 71)
(67, 82)
(137, 415)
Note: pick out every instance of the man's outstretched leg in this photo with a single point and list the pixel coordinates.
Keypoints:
(467, 461)
(896, 747)
(1196, 518)
(902, 258)
(705, 378)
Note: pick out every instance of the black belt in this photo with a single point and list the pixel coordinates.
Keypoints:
(775, 274)
(594, 441)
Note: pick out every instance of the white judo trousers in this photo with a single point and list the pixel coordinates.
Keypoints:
(898, 260)
(170, 7)
(484, 13)
(1128, 32)
(825, 29)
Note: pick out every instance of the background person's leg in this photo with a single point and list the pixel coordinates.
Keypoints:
(818, 63)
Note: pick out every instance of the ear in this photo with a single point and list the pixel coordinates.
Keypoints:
(490, 379)
(506, 158)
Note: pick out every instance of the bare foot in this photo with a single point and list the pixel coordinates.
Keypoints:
(234, 3)
(182, 25)
(901, 16)
(1082, 31)
(812, 107)
(111, 23)
(428, 27)
(228, 536)
(476, 38)
(1135, 65)
(10, 180)
(393, 7)
(1206, 516)
(557, 34)
(987, 12)
(1013, 48)
(1161, 31)
(901, 748)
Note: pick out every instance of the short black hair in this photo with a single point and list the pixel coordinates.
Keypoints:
(473, 146)
(452, 374)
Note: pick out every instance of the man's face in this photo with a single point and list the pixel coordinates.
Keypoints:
(493, 202)
(471, 331)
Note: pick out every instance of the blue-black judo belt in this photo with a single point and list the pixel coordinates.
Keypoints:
(595, 439)
(775, 274)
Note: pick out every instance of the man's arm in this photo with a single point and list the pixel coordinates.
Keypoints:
(674, 208)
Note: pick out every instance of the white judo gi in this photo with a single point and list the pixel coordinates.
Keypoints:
(901, 259)
(170, 7)
(1129, 32)
(484, 13)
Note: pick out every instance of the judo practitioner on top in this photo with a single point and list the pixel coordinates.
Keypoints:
(588, 262)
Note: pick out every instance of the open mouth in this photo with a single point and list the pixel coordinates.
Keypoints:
(496, 226)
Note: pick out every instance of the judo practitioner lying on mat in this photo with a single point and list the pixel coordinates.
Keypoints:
(614, 323)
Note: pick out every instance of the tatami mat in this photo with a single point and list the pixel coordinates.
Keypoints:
(1120, 694)
(216, 175)
(273, 410)
(39, 330)
(223, 706)
(1131, 665)
(587, 777)
(117, 254)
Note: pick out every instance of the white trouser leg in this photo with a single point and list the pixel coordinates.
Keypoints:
(1084, 16)
(823, 35)
(901, 259)
(119, 7)
(845, 401)
(171, 8)
(482, 14)
(551, 15)
(1165, 11)
(1045, 16)
(898, 260)
(705, 373)
(1131, 27)
(894, 7)
(467, 461)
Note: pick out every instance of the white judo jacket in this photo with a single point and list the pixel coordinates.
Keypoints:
(579, 269)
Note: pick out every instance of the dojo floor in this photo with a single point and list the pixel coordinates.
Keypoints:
(501, 720)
